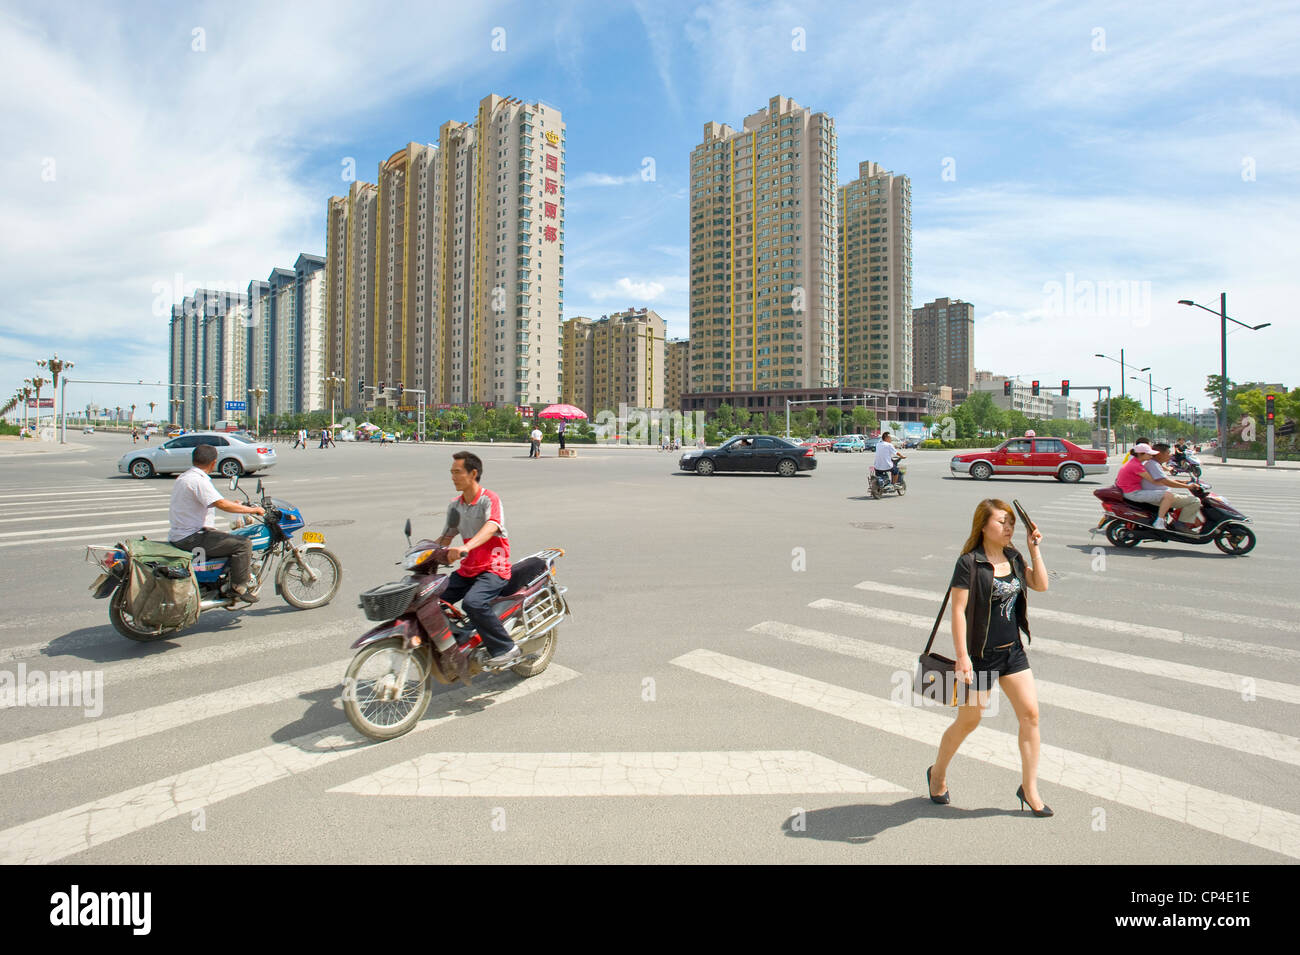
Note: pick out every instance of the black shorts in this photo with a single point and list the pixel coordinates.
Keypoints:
(1000, 662)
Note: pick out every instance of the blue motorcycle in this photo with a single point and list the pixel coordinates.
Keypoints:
(306, 574)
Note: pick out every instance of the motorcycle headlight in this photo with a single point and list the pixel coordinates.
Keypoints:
(415, 558)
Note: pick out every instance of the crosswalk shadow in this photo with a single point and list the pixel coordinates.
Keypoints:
(862, 822)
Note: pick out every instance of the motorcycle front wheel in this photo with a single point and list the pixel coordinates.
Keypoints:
(375, 705)
(298, 591)
(125, 624)
(1235, 539)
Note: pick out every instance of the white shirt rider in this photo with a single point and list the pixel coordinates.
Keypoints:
(884, 463)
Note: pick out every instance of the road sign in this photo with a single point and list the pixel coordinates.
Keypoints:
(45, 403)
(236, 406)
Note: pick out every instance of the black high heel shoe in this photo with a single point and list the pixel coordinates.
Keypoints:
(1045, 811)
(941, 800)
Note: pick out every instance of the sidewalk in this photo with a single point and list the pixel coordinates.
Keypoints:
(11, 447)
(1278, 466)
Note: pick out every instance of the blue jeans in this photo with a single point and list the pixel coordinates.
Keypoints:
(477, 593)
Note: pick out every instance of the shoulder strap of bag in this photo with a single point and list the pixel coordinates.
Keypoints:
(937, 620)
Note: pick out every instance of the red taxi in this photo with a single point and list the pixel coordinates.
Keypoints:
(1048, 457)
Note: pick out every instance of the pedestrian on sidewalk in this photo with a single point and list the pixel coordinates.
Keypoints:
(989, 612)
(559, 429)
(535, 445)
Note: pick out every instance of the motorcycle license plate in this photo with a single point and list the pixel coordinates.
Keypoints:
(313, 537)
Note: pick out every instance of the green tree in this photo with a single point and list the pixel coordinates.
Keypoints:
(864, 420)
(833, 416)
(724, 417)
(741, 417)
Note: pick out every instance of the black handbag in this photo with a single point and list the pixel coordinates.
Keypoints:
(936, 675)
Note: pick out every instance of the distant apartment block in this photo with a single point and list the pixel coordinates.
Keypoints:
(616, 359)
(943, 344)
(350, 293)
(677, 372)
(875, 281)
(763, 290)
(205, 355)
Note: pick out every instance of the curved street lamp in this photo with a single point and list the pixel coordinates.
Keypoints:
(1223, 363)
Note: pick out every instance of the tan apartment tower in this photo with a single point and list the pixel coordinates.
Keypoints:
(763, 292)
(615, 360)
(943, 345)
(464, 285)
(351, 246)
(677, 372)
(875, 280)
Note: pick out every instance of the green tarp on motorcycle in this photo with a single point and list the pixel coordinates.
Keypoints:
(161, 590)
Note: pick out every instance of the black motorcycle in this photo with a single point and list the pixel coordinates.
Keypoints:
(1129, 523)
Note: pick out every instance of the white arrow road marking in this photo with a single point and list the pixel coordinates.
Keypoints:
(1192, 726)
(756, 773)
(1219, 813)
(91, 824)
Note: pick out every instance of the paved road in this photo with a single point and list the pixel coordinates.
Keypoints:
(725, 691)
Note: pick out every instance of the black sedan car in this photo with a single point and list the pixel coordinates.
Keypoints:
(751, 452)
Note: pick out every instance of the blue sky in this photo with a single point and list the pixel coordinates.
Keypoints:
(1153, 145)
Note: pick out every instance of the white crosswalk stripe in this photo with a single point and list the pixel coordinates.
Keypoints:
(70, 831)
(82, 513)
(1246, 739)
(1129, 628)
(1220, 813)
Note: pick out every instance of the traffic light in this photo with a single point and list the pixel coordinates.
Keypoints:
(361, 388)
(1065, 387)
(1268, 408)
(1033, 387)
(400, 390)
(1006, 387)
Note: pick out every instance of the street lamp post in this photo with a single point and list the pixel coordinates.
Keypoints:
(334, 383)
(1120, 362)
(1223, 363)
(257, 394)
(176, 410)
(37, 384)
(57, 367)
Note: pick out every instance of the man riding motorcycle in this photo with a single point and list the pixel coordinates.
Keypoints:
(884, 462)
(485, 569)
(192, 525)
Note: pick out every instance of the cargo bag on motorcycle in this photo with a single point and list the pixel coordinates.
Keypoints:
(161, 589)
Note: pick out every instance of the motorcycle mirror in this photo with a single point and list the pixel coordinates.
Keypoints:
(234, 482)
(407, 530)
(259, 487)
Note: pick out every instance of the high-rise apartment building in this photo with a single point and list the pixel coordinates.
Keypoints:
(875, 280)
(616, 359)
(763, 293)
(464, 260)
(203, 354)
(350, 292)
(943, 344)
(677, 372)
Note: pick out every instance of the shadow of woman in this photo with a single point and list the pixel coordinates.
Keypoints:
(861, 823)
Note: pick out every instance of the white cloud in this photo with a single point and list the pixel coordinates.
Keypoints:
(603, 179)
(630, 290)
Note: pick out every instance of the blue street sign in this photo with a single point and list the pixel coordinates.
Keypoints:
(236, 406)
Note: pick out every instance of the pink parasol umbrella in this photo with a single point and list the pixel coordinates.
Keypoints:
(564, 412)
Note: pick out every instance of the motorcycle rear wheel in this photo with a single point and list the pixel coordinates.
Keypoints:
(534, 667)
(874, 489)
(1119, 534)
(125, 624)
(385, 719)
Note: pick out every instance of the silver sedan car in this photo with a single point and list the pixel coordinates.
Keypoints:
(237, 453)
